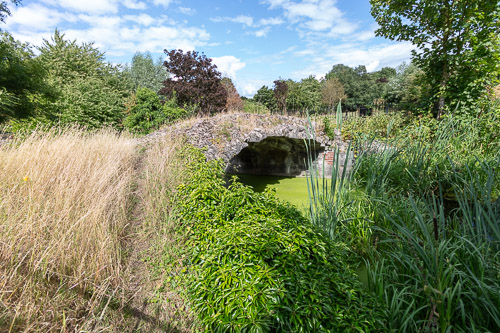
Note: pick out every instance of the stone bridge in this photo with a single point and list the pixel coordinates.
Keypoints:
(263, 144)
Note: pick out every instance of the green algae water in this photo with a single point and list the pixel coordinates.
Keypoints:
(291, 189)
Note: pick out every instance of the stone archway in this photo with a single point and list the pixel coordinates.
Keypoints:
(274, 155)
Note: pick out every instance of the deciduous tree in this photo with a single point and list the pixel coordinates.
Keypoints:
(90, 91)
(265, 96)
(332, 92)
(234, 101)
(5, 11)
(457, 44)
(280, 94)
(195, 81)
(146, 73)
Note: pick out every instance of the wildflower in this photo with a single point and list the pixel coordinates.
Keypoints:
(26, 178)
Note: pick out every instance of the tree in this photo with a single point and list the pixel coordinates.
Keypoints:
(406, 90)
(265, 96)
(304, 95)
(145, 73)
(332, 92)
(89, 91)
(280, 94)
(362, 88)
(234, 101)
(457, 41)
(22, 79)
(5, 11)
(196, 81)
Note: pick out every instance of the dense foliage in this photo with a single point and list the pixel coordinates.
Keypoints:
(458, 45)
(234, 101)
(265, 96)
(91, 92)
(423, 209)
(22, 82)
(195, 81)
(147, 112)
(303, 95)
(258, 265)
(145, 73)
(362, 88)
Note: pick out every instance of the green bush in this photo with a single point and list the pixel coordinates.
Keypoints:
(250, 106)
(148, 114)
(173, 112)
(258, 265)
(380, 125)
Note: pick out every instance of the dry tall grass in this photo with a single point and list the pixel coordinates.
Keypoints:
(164, 168)
(64, 200)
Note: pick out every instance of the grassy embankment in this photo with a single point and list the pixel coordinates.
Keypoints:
(80, 214)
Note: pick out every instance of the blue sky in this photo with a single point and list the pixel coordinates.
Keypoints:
(253, 42)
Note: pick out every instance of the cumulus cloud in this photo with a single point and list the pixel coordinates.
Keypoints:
(374, 57)
(261, 32)
(228, 65)
(111, 33)
(163, 3)
(315, 17)
(37, 17)
(142, 19)
(132, 4)
(187, 11)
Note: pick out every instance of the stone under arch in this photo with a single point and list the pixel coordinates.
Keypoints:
(274, 155)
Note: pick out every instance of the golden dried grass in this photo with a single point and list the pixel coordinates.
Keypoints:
(64, 200)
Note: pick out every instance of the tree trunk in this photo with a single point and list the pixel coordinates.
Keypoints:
(442, 90)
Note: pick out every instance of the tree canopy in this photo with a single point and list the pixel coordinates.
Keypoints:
(22, 82)
(146, 73)
(195, 81)
(89, 90)
(457, 44)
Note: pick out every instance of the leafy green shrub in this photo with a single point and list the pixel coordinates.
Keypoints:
(148, 114)
(378, 126)
(173, 112)
(258, 265)
(250, 106)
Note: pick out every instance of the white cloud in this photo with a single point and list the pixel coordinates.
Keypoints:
(35, 16)
(372, 65)
(228, 65)
(112, 34)
(352, 55)
(187, 11)
(132, 4)
(163, 3)
(261, 32)
(87, 6)
(142, 19)
(271, 21)
(242, 19)
(249, 89)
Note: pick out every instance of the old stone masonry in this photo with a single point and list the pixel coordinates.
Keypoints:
(262, 144)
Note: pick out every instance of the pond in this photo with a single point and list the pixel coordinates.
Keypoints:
(291, 189)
